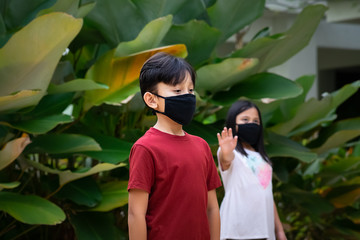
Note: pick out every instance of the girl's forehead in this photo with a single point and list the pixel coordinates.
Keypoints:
(251, 112)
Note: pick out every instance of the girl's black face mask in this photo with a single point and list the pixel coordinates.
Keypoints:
(249, 133)
(179, 108)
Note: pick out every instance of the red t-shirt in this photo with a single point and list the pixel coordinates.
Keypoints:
(177, 172)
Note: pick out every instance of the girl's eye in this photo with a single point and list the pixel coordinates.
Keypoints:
(177, 91)
(191, 90)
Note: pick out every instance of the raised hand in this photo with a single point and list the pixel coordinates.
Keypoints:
(226, 140)
(227, 145)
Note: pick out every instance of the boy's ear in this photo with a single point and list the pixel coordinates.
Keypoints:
(150, 100)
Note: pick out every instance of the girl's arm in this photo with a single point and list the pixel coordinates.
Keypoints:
(138, 203)
(279, 230)
(213, 215)
(227, 145)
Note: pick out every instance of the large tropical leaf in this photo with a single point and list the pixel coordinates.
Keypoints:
(29, 58)
(31, 209)
(109, 16)
(45, 116)
(150, 37)
(200, 40)
(314, 112)
(113, 150)
(221, 76)
(275, 50)
(69, 176)
(280, 146)
(12, 150)
(16, 19)
(84, 192)
(259, 86)
(230, 16)
(336, 135)
(19, 99)
(62, 143)
(76, 85)
(121, 74)
(42, 124)
(114, 195)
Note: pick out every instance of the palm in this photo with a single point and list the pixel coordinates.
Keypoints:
(226, 140)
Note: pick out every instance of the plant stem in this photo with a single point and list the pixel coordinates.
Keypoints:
(26, 231)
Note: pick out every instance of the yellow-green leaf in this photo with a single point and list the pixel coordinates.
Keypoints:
(12, 150)
(29, 58)
(121, 74)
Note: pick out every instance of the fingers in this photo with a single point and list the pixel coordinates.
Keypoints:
(225, 133)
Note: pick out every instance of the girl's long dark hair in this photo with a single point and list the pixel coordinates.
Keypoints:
(239, 107)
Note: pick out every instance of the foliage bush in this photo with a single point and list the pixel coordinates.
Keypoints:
(70, 112)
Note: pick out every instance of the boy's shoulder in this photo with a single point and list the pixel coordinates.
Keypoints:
(154, 136)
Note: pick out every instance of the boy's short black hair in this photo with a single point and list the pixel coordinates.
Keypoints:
(163, 67)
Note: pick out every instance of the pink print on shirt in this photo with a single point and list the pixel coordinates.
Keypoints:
(261, 169)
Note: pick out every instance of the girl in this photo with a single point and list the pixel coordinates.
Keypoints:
(247, 210)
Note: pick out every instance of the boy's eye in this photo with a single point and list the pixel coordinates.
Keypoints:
(191, 90)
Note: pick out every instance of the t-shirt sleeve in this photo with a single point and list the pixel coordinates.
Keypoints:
(213, 179)
(141, 171)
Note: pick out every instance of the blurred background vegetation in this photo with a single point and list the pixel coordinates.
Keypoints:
(70, 111)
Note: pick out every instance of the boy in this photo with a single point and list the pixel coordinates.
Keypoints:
(173, 176)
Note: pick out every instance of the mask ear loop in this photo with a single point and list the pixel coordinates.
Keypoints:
(156, 111)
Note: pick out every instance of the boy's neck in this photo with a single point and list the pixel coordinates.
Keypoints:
(165, 124)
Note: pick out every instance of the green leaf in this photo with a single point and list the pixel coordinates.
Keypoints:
(207, 132)
(68, 176)
(290, 106)
(62, 143)
(113, 151)
(200, 40)
(114, 194)
(12, 150)
(150, 37)
(41, 125)
(260, 86)
(51, 104)
(76, 85)
(35, 51)
(336, 135)
(220, 76)
(275, 50)
(84, 191)
(31, 209)
(121, 75)
(9, 185)
(230, 16)
(280, 146)
(16, 19)
(21, 99)
(314, 112)
(95, 226)
(67, 6)
(109, 16)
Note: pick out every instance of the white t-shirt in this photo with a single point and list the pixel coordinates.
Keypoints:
(247, 210)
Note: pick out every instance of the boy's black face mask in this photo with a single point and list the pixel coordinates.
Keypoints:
(179, 108)
(249, 132)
